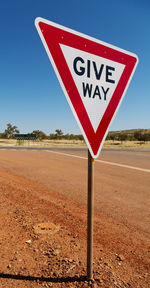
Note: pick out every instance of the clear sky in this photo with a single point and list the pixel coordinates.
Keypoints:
(30, 94)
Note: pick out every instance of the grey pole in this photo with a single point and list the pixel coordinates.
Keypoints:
(90, 217)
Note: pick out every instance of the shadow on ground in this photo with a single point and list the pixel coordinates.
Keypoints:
(46, 279)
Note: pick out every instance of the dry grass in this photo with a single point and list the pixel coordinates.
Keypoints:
(72, 143)
(7, 142)
(126, 144)
(43, 143)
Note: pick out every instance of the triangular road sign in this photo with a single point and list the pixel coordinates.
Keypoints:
(94, 76)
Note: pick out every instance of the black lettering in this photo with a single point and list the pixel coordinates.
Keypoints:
(81, 70)
(97, 92)
(108, 73)
(88, 68)
(105, 92)
(98, 74)
(87, 89)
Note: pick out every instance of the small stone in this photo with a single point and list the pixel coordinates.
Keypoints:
(36, 237)
(56, 273)
(9, 266)
(15, 257)
(70, 260)
(47, 253)
(19, 260)
(28, 241)
(120, 257)
(140, 277)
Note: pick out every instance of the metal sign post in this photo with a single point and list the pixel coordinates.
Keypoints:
(90, 216)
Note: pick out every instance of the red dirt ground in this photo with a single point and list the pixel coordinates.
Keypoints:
(55, 256)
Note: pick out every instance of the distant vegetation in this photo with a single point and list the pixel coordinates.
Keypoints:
(140, 135)
(11, 131)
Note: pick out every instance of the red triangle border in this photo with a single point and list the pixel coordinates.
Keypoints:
(53, 37)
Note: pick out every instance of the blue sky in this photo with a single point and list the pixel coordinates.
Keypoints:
(30, 94)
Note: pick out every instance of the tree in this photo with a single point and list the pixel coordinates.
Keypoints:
(122, 137)
(59, 133)
(111, 136)
(52, 136)
(138, 136)
(2, 135)
(40, 134)
(10, 131)
(146, 137)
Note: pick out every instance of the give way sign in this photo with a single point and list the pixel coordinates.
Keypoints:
(94, 76)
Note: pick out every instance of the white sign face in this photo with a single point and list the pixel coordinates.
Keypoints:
(96, 79)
